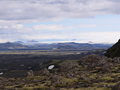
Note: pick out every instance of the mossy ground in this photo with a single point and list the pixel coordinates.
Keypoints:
(77, 78)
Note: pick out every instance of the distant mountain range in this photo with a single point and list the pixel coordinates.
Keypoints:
(54, 46)
(28, 42)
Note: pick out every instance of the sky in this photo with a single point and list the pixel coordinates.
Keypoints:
(93, 21)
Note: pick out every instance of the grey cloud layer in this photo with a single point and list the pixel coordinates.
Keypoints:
(52, 9)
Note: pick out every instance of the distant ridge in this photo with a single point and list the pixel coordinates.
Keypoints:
(53, 46)
(18, 42)
(11, 46)
(114, 51)
(32, 41)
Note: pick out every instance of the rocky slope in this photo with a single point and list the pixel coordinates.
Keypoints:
(91, 72)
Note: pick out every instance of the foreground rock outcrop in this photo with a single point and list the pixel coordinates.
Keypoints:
(91, 72)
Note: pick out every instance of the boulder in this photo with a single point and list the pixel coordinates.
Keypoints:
(67, 66)
(30, 73)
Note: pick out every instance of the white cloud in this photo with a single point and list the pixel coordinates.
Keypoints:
(108, 25)
(96, 37)
(18, 26)
(51, 27)
(44, 36)
(20, 33)
(87, 25)
(3, 40)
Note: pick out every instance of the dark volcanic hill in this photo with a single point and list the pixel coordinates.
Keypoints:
(114, 51)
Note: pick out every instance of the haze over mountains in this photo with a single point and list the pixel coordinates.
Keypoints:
(51, 46)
